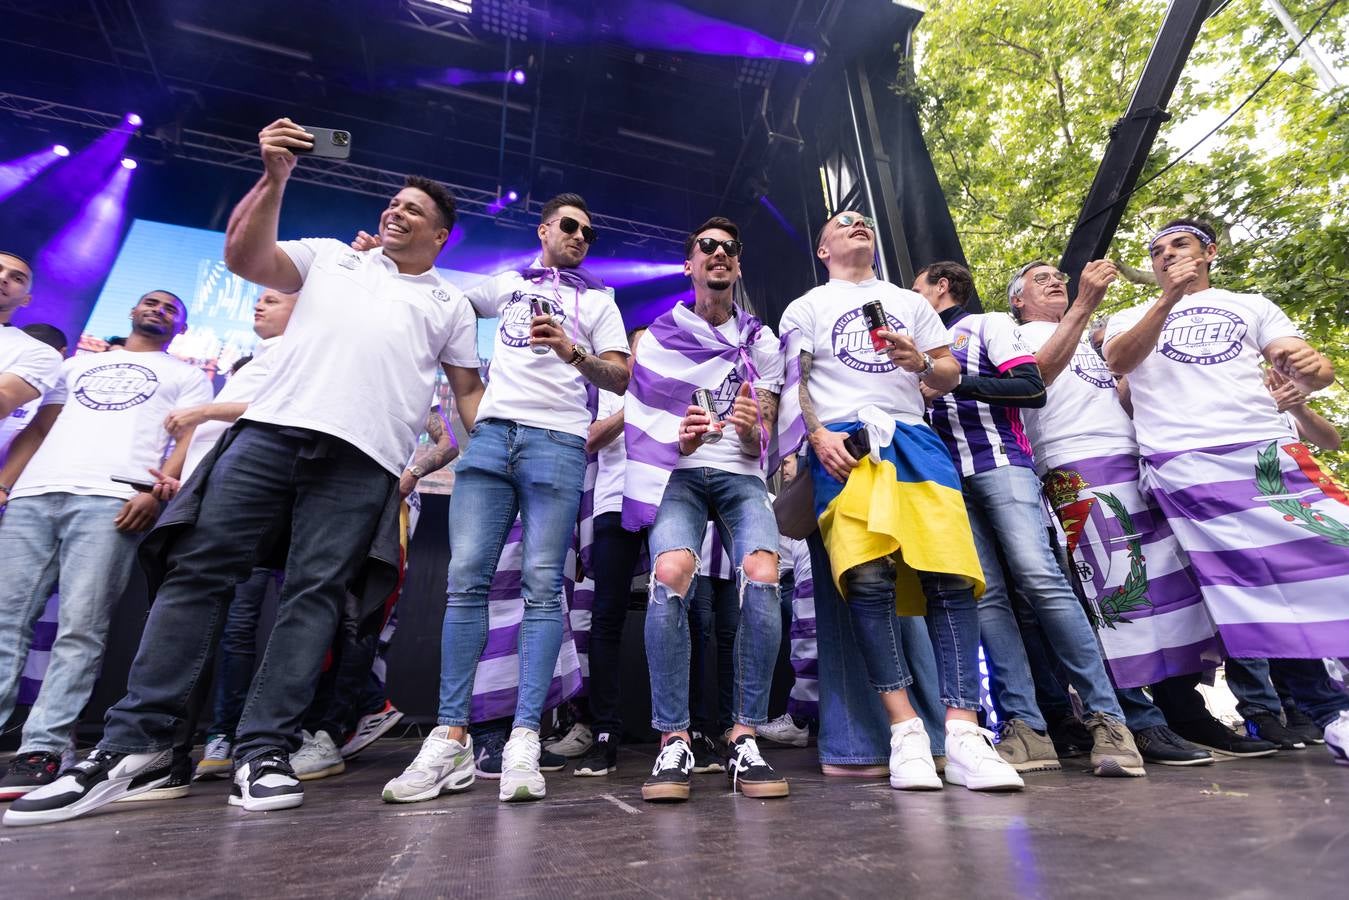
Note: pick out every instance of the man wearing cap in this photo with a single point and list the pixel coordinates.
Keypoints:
(1265, 528)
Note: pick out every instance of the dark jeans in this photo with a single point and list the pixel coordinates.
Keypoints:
(714, 611)
(238, 652)
(343, 692)
(614, 554)
(333, 495)
(1303, 683)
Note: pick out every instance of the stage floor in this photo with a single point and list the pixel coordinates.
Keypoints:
(1261, 828)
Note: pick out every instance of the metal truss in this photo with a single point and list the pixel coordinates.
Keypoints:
(232, 153)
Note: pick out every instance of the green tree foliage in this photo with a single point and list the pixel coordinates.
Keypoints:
(1017, 98)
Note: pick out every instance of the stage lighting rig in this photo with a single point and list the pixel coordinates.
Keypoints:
(508, 18)
(460, 7)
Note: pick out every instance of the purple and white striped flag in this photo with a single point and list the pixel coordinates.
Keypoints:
(679, 354)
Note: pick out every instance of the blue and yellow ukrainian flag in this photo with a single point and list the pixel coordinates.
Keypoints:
(908, 507)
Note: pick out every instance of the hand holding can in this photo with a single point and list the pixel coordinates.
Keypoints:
(540, 307)
(702, 398)
(874, 314)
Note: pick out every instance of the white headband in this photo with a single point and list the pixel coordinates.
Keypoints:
(1181, 229)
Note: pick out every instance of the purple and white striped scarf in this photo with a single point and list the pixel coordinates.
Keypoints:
(679, 354)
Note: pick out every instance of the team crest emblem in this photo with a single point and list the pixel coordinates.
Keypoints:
(961, 342)
(349, 261)
(440, 294)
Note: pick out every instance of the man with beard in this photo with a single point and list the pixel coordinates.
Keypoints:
(67, 521)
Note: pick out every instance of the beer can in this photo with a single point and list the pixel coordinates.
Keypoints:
(539, 307)
(874, 313)
(702, 398)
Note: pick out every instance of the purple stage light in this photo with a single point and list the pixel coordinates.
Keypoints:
(512, 196)
(61, 150)
(627, 272)
(17, 173)
(808, 57)
(134, 120)
(78, 258)
(518, 76)
(128, 163)
(665, 25)
(457, 77)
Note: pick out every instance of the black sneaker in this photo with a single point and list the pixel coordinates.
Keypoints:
(1267, 726)
(1302, 725)
(1164, 747)
(707, 757)
(1220, 739)
(100, 779)
(750, 774)
(266, 783)
(28, 772)
(670, 775)
(1070, 737)
(601, 758)
(178, 785)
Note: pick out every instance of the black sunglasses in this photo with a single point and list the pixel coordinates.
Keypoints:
(710, 245)
(569, 226)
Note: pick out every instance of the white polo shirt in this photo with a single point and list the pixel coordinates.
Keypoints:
(241, 387)
(361, 349)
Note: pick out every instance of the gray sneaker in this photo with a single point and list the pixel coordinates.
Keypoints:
(1113, 751)
(1025, 749)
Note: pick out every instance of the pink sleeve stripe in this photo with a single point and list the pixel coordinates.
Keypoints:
(1013, 363)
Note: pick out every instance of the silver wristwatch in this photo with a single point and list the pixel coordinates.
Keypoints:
(927, 367)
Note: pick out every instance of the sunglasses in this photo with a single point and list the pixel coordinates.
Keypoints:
(847, 220)
(569, 226)
(1043, 278)
(710, 245)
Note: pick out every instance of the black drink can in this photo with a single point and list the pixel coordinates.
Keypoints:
(874, 314)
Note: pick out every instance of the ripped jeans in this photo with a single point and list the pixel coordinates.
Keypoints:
(739, 509)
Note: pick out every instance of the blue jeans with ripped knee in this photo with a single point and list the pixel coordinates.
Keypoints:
(739, 509)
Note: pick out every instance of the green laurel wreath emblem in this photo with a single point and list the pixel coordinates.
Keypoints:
(1274, 491)
(1132, 595)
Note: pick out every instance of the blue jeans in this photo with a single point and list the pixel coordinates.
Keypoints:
(714, 614)
(1005, 513)
(1305, 682)
(238, 652)
(854, 727)
(509, 469)
(70, 539)
(334, 496)
(739, 509)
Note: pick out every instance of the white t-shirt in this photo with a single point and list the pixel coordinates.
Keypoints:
(12, 424)
(28, 358)
(241, 387)
(1082, 416)
(361, 350)
(112, 422)
(725, 454)
(847, 373)
(612, 460)
(1202, 386)
(539, 389)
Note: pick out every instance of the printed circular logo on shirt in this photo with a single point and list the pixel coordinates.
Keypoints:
(723, 398)
(115, 386)
(1204, 335)
(1089, 366)
(852, 343)
(515, 318)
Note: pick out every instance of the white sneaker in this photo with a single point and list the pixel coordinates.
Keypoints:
(520, 775)
(318, 757)
(370, 728)
(972, 761)
(442, 766)
(911, 765)
(216, 761)
(784, 730)
(1337, 738)
(574, 743)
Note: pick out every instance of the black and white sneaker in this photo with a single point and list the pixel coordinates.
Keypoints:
(601, 758)
(177, 787)
(266, 783)
(750, 774)
(28, 772)
(100, 779)
(670, 775)
(707, 758)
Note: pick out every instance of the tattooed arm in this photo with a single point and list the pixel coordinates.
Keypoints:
(607, 371)
(434, 456)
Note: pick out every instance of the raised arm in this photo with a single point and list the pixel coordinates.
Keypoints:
(1057, 352)
(251, 251)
